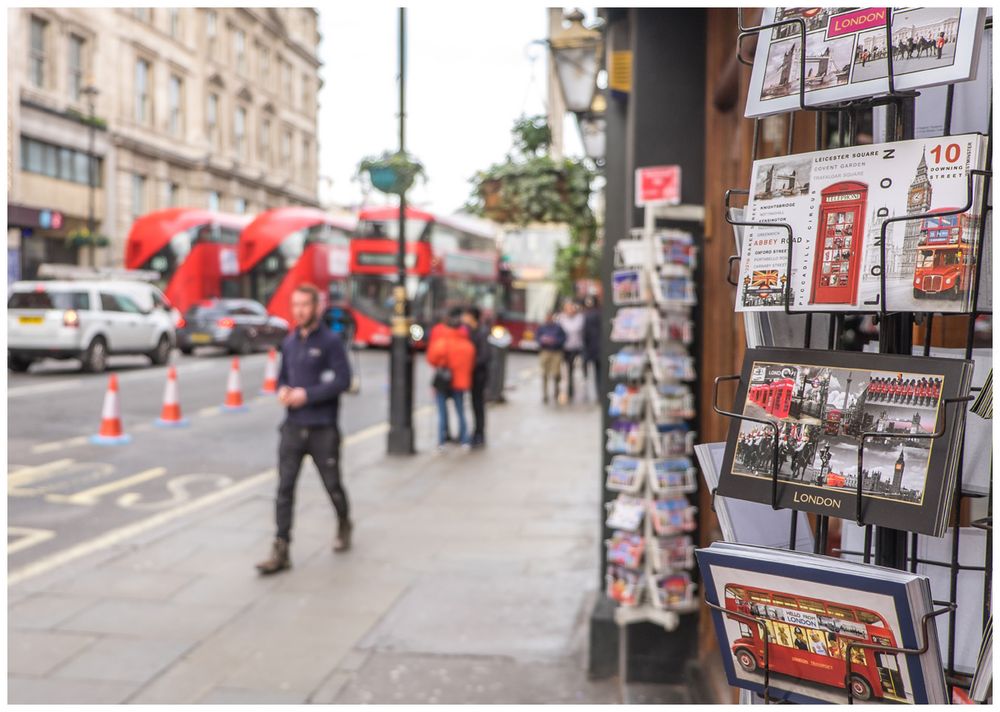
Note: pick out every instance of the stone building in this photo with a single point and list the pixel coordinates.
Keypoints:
(207, 107)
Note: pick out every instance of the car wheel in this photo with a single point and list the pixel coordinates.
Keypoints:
(746, 660)
(161, 354)
(860, 689)
(243, 346)
(95, 359)
(18, 364)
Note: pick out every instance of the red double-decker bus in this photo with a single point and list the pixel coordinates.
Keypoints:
(945, 264)
(194, 251)
(807, 638)
(285, 247)
(449, 262)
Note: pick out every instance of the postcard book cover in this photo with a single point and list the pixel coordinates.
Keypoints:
(815, 406)
(836, 202)
(846, 57)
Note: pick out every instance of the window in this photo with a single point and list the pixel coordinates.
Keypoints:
(211, 31)
(37, 52)
(265, 141)
(212, 117)
(239, 43)
(286, 149)
(306, 157)
(49, 300)
(265, 67)
(142, 107)
(240, 206)
(239, 130)
(172, 193)
(175, 98)
(127, 304)
(138, 195)
(75, 62)
(109, 302)
(142, 14)
(213, 200)
(175, 23)
(306, 92)
(286, 80)
(57, 162)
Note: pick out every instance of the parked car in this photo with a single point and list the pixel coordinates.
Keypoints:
(87, 320)
(238, 325)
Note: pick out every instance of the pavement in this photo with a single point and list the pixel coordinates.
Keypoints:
(470, 580)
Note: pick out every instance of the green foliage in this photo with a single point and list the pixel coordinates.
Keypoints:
(530, 186)
(404, 167)
(82, 237)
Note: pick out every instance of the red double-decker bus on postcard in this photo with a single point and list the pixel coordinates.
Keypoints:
(808, 638)
(193, 250)
(944, 265)
(449, 262)
(285, 247)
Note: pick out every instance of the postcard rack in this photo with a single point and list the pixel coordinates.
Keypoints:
(892, 548)
(652, 375)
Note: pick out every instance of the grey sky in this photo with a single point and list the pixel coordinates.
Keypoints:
(468, 77)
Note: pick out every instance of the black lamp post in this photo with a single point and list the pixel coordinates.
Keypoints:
(91, 92)
(400, 441)
(576, 52)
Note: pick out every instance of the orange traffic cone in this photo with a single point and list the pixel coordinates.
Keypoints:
(111, 432)
(271, 373)
(170, 416)
(234, 394)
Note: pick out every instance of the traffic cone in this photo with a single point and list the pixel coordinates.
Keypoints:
(270, 373)
(170, 416)
(111, 432)
(234, 394)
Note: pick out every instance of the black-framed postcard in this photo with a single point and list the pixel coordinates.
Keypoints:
(816, 407)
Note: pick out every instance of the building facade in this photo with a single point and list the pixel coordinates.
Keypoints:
(207, 107)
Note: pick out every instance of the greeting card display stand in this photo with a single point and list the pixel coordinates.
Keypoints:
(654, 286)
(896, 549)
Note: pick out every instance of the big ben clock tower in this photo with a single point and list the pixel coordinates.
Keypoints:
(918, 201)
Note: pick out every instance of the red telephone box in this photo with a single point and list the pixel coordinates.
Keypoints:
(783, 397)
(839, 237)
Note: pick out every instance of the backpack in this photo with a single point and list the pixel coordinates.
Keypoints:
(441, 381)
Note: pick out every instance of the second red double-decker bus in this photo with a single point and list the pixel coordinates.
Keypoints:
(945, 265)
(285, 247)
(193, 250)
(449, 262)
(807, 638)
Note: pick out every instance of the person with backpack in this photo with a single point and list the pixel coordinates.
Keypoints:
(472, 318)
(551, 339)
(453, 357)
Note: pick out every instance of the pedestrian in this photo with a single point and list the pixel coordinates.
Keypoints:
(472, 318)
(439, 329)
(314, 372)
(571, 320)
(453, 356)
(592, 342)
(551, 339)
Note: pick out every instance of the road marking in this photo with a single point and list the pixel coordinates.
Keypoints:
(116, 536)
(60, 444)
(27, 475)
(28, 538)
(43, 388)
(91, 496)
(178, 492)
(209, 411)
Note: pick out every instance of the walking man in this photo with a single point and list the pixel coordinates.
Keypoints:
(551, 339)
(314, 372)
(571, 320)
(472, 318)
(454, 356)
(592, 342)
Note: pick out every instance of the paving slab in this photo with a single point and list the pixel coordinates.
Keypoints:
(116, 659)
(39, 652)
(157, 619)
(40, 611)
(30, 690)
(126, 583)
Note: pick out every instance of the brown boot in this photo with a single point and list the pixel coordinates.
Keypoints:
(343, 540)
(279, 560)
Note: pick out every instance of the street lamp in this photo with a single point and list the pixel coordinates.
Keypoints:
(91, 92)
(593, 124)
(577, 55)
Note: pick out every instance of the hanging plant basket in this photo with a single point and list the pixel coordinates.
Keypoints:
(392, 173)
(84, 238)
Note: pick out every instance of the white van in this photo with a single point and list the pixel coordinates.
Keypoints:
(87, 320)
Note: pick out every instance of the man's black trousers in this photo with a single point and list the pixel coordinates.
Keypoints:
(322, 444)
(479, 404)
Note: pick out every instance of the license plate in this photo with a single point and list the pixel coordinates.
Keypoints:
(31, 320)
(201, 338)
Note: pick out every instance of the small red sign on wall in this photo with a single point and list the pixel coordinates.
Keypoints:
(657, 185)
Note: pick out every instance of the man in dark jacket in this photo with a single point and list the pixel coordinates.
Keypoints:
(551, 340)
(592, 342)
(472, 318)
(314, 372)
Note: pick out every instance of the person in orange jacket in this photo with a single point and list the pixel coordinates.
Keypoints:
(453, 356)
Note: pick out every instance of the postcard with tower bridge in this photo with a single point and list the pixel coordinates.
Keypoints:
(837, 202)
(847, 53)
(807, 413)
